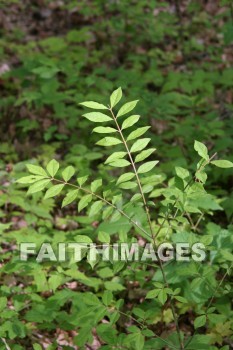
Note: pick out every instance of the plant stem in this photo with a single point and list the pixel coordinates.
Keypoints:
(186, 186)
(134, 169)
(142, 325)
(211, 300)
(150, 224)
(106, 202)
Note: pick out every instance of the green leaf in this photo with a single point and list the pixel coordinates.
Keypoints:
(144, 168)
(181, 299)
(201, 149)
(201, 175)
(222, 163)
(128, 185)
(120, 163)
(137, 133)
(139, 145)
(82, 179)
(125, 177)
(52, 167)
(144, 154)
(114, 156)
(97, 117)
(70, 197)
(53, 191)
(200, 321)
(181, 172)
(115, 97)
(95, 208)
(137, 339)
(55, 281)
(108, 141)
(162, 296)
(38, 186)
(85, 200)
(96, 184)
(226, 255)
(30, 179)
(68, 173)
(37, 170)
(3, 303)
(94, 105)
(130, 121)
(103, 237)
(114, 286)
(93, 262)
(147, 188)
(83, 239)
(126, 108)
(152, 294)
(37, 347)
(107, 297)
(104, 130)
(136, 197)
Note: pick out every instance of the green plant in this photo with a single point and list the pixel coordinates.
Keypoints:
(129, 195)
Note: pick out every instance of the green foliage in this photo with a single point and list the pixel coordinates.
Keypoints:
(100, 198)
(177, 60)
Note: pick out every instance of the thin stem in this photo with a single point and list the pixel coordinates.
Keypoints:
(134, 169)
(142, 325)
(219, 285)
(211, 300)
(106, 202)
(186, 186)
(198, 221)
(5, 343)
(150, 224)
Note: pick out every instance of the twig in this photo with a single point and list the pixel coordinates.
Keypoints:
(150, 225)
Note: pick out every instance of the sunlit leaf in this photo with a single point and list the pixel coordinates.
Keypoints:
(37, 170)
(222, 163)
(126, 108)
(70, 197)
(137, 133)
(120, 163)
(97, 117)
(130, 121)
(201, 149)
(29, 179)
(52, 167)
(94, 105)
(128, 185)
(53, 191)
(96, 184)
(125, 177)
(95, 208)
(108, 141)
(38, 186)
(139, 145)
(104, 130)
(68, 173)
(144, 154)
(84, 201)
(115, 97)
(181, 172)
(114, 156)
(82, 179)
(144, 168)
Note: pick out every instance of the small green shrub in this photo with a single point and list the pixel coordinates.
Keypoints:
(125, 200)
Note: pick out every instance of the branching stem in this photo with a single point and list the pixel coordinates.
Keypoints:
(106, 202)
(150, 224)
